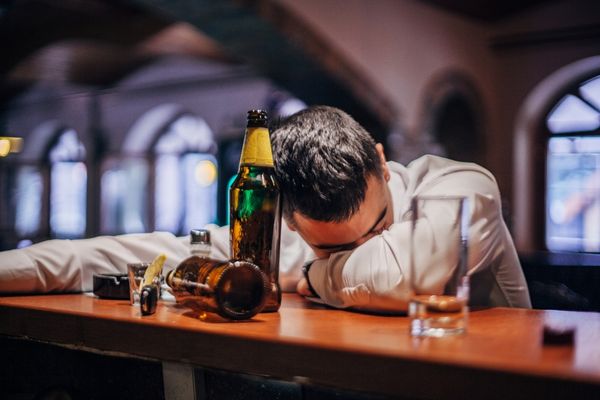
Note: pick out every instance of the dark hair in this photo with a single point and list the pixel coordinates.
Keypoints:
(323, 158)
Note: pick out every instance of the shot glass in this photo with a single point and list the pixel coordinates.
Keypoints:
(438, 266)
(135, 273)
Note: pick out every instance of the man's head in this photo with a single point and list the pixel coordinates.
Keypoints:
(333, 178)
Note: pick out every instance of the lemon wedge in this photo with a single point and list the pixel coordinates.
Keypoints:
(154, 270)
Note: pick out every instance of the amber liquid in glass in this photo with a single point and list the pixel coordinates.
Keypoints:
(438, 313)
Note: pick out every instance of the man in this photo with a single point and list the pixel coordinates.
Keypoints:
(347, 217)
(353, 210)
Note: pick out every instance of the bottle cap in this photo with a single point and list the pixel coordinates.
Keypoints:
(200, 236)
(257, 118)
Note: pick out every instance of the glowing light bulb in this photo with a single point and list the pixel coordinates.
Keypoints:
(4, 147)
(205, 173)
(10, 144)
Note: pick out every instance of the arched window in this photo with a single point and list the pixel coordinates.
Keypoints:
(186, 175)
(29, 186)
(68, 184)
(573, 170)
(44, 187)
(165, 177)
(124, 187)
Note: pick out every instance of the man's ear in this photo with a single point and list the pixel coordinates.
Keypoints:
(383, 161)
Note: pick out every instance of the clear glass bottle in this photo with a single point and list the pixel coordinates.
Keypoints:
(255, 206)
(200, 242)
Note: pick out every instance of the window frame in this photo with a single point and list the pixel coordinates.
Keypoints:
(542, 161)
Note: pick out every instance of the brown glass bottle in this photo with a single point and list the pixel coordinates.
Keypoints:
(255, 206)
(233, 290)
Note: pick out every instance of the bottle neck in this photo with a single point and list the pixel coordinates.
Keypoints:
(200, 249)
(257, 148)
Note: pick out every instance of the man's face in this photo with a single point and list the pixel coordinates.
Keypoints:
(374, 215)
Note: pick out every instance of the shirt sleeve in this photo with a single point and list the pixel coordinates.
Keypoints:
(375, 276)
(69, 265)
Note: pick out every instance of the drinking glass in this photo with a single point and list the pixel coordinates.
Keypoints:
(135, 273)
(438, 266)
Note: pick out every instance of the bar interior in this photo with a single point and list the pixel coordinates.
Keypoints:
(282, 199)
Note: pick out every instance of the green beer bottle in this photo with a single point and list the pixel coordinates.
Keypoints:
(255, 206)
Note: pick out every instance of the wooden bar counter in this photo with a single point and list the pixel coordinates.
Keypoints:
(501, 356)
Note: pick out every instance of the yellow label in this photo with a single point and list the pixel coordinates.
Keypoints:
(257, 148)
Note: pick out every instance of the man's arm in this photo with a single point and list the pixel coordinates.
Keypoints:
(375, 275)
(69, 265)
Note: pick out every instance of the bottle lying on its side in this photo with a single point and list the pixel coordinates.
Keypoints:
(234, 290)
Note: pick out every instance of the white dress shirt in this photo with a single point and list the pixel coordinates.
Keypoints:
(375, 275)
(372, 276)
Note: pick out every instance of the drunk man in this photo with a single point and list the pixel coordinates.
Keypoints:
(347, 216)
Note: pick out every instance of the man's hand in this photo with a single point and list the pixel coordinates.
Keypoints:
(302, 288)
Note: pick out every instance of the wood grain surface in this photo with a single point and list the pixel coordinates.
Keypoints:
(501, 356)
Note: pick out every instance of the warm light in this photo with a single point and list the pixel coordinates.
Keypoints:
(9, 144)
(4, 147)
(206, 173)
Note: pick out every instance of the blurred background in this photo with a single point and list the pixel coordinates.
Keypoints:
(122, 116)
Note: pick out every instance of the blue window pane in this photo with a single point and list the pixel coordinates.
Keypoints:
(68, 181)
(573, 115)
(591, 91)
(187, 133)
(573, 194)
(186, 192)
(28, 201)
(124, 197)
(24, 243)
(289, 106)
(200, 171)
(68, 148)
(186, 176)
(168, 194)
